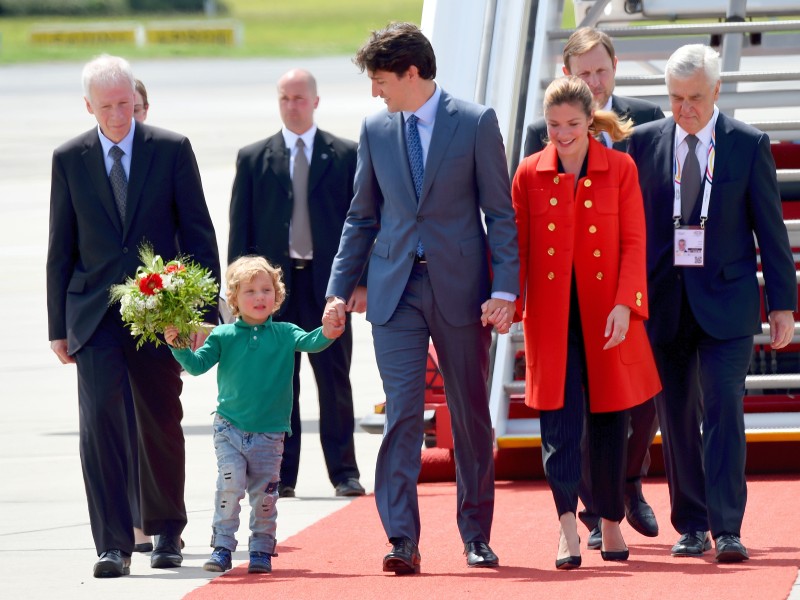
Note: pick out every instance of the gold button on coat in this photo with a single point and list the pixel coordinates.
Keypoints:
(592, 229)
(639, 295)
(555, 179)
(551, 275)
(599, 275)
(587, 183)
(551, 251)
(551, 226)
(638, 302)
(588, 204)
(553, 201)
(596, 253)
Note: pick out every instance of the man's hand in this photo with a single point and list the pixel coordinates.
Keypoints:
(60, 348)
(499, 313)
(358, 301)
(781, 328)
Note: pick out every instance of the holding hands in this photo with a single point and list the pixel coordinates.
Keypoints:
(499, 313)
(332, 324)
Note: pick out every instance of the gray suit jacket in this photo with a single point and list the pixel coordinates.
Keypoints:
(466, 178)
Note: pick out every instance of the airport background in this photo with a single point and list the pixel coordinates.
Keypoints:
(222, 98)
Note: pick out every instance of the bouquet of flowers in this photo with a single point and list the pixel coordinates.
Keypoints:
(163, 294)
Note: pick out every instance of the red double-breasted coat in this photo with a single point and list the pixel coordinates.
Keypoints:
(598, 230)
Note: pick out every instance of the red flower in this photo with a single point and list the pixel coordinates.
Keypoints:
(150, 283)
(174, 268)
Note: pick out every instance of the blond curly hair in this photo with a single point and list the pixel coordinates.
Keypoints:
(244, 269)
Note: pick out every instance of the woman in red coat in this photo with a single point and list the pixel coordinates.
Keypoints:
(582, 271)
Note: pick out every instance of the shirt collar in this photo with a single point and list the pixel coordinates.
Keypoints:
(608, 104)
(704, 135)
(241, 323)
(125, 144)
(427, 112)
(290, 137)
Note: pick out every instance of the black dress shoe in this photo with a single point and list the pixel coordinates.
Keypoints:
(479, 554)
(595, 538)
(285, 491)
(350, 487)
(404, 559)
(692, 543)
(112, 563)
(638, 512)
(143, 547)
(730, 549)
(167, 553)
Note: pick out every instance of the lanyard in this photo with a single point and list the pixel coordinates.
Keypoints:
(707, 182)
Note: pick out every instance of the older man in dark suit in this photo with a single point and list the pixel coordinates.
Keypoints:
(431, 169)
(709, 180)
(590, 55)
(290, 198)
(114, 187)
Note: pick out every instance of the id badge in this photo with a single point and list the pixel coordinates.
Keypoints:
(689, 247)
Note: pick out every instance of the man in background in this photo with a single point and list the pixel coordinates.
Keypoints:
(290, 198)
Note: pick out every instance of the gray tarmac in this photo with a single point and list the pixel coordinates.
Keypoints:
(45, 542)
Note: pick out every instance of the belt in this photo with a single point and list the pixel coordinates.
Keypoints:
(301, 263)
(420, 260)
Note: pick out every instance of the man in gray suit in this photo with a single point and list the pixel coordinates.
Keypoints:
(590, 55)
(429, 168)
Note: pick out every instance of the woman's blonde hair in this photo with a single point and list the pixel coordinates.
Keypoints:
(244, 269)
(573, 90)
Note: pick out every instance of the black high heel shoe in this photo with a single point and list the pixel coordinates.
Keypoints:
(615, 554)
(569, 562)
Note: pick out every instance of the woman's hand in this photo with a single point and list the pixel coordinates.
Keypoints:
(617, 325)
(171, 334)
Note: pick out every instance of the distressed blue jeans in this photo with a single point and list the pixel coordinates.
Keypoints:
(252, 462)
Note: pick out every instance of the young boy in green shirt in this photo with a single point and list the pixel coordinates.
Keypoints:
(254, 378)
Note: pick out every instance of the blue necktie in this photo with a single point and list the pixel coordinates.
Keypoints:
(416, 162)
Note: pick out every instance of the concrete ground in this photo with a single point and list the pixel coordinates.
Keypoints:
(45, 541)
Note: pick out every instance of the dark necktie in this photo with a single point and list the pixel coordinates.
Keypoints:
(690, 179)
(119, 182)
(416, 162)
(301, 224)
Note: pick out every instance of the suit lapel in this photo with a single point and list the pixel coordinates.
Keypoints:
(321, 159)
(95, 164)
(143, 150)
(443, 131)
(276, 159)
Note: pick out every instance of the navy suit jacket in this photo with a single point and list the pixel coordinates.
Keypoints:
(90, 249)
(262, 203)
(638, 111)
(466, 183)
(723, 294)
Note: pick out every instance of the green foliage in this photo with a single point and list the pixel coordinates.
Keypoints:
(163, 294)
(63, 7)
(272, 28)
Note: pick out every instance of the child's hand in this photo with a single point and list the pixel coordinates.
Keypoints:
(171, 334)
(331, 328)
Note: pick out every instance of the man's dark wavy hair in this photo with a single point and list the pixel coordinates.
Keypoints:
(396, 48)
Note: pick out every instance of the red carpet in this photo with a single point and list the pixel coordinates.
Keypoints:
(340, 556)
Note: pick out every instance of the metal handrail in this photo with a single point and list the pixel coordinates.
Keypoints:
(688, 29)
(725, 77)
(788, 175)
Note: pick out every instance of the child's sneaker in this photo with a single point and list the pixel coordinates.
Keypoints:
(260, 562)
(220, 560)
